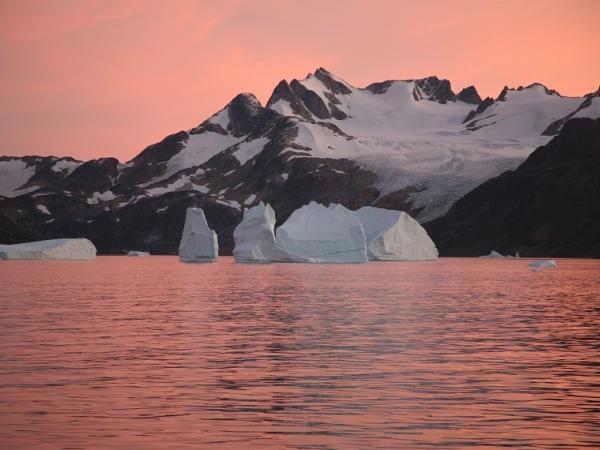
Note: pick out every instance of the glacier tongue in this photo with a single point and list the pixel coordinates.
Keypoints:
(395, 236)
(323, 235)
(198, 242)
(255, 238)
(50, 249)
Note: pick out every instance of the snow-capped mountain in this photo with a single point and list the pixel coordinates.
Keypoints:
(413, 145)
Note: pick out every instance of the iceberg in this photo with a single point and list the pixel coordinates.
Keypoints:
(255, 238)
(137, 253)
(494, 255)
(50, 249)
(394, 235)
(548, 263)
(323, 235)
(198, 242)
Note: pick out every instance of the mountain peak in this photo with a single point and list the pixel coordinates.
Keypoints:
(531, 87)
(335, 84)
(469, 95)
(435, 89)
(237, 117)
(539, 86)
(246, 98)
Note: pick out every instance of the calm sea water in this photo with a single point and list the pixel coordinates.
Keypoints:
(151, 353)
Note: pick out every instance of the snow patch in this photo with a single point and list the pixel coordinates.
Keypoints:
(43, 209)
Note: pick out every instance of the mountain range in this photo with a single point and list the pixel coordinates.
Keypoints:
(412, 145)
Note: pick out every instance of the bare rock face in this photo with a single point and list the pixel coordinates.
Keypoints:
(432, 88)
(469, 95)
(485, 104)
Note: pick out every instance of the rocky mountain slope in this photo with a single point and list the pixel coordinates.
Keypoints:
(412, 145)
(550, 205)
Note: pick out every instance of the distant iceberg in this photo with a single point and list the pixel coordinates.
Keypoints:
(137, 253)
(50, 249)
(255, 238)
(323, 235)
(548, 263)
(198, 242)
(394, 236)
(495, 255)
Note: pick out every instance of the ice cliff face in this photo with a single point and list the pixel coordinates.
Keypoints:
(395, 236)
(50, 249)
(323, 235)
(411, 145)
(198, 243)
(255, 238)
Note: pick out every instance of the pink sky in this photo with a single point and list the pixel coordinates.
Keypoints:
(92, 78)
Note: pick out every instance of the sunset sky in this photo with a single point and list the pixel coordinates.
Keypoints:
(92, 78)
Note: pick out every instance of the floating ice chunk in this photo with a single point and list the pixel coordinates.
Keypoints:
(255, 238)
(395, 236)
(494, 254)
(323, 235)
(137, 253)
(50, 249)
(198, 242)
(548, 263)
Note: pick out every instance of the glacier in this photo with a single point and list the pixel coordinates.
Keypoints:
(395, 236)
(323, 235)
(198, 242)
(50, 249)
(255, 238)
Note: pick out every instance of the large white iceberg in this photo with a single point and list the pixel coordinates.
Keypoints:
(50, 249)
(323, 235)
(255, 238)
(198, 242)
(394, 235)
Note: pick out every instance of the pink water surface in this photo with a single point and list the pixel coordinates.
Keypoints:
(152, 353)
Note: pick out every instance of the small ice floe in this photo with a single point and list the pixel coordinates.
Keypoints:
(137, 253)
(543, 263)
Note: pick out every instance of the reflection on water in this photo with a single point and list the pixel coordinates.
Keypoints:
(150, 353)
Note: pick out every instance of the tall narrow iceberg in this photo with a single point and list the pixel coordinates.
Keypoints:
(395, 236)
(50, 249)
(198, 242)
(323, 235)
(255, 238)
